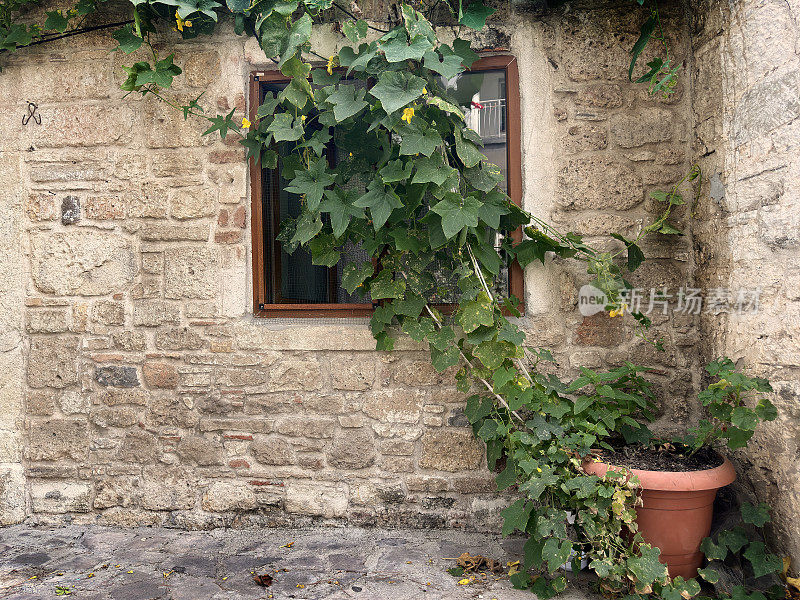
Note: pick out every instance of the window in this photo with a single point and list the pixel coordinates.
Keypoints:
(289, 285)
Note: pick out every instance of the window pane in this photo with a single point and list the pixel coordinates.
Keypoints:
(482, 97)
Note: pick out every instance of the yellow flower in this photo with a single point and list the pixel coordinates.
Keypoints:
(245, 123)
(408, 114)
(303, 118)
(331, 62)
(618, 312)
(181, 23)
(424, 91)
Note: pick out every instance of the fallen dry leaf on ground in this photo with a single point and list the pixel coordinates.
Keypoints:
(264, 580)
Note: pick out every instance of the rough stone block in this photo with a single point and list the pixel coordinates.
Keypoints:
(450, 450)
(352, 449)
(200, 450)
(160, 375)
(306, 426)
(108, 312)
(596, 182)
(59, 497)
(316, 498)
(190, 272)
(12, 494)
(52, 361)
(634, 129)
(70, 210)
(41, 402)
(179, 338)
(81, 262)
(272, 451)
(167, 489)
(107, 416)
(117, 376)
(138, 448)
(226, 496)
(190, 203)
(152, 313)
(295, 374)
(394, 406)
(166, 409)
(600, 95)
(47, 321)
(129, 340)
(58, 438)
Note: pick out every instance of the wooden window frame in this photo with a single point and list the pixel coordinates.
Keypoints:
(262, 309)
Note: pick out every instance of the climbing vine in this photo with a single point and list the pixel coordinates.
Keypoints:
(415, 192)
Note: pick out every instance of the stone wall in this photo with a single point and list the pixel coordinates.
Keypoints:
(746, 104)
(140, 386)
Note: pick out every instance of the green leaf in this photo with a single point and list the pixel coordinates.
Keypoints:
(477, 408)
(763, 562)
(220, 123)
(399, 50)
(284, 128)
(474, 313)
(355, 30)
(312, 182)
(384, 286)
(397, 89)
(556, 554)
(484, 177)
(299, 34)
(466, 150)
(457, 213)
(128, 42)
(507, 477)
(396, 170)
(55, 22)
(646, 568)
(765, 410)
(493, 354)
(431, 170)
(710, 575)
(475, 15)
(532, 551)
(353, 275)
(381, 202)
(237, 6)
(744, 418)
(416, 141)
(713, 551)
(308, 225)
(338, 204)
(323, 251)
(462, 49)
(516, 516)
(444, 359)
(347, 101)
(448, 64)
(646, 32)
(418, 330)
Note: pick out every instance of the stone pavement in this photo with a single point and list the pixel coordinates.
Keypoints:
(154, 563)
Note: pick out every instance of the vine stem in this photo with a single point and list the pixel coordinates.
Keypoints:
(481, 379)
(74, 32)
(352, 16)
(466, 360)
(476, 267)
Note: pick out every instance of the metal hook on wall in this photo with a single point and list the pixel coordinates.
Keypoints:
(32, 107)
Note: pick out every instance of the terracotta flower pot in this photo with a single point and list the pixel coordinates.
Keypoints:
(676, 511)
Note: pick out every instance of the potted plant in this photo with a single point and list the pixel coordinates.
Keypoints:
(679, 479)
